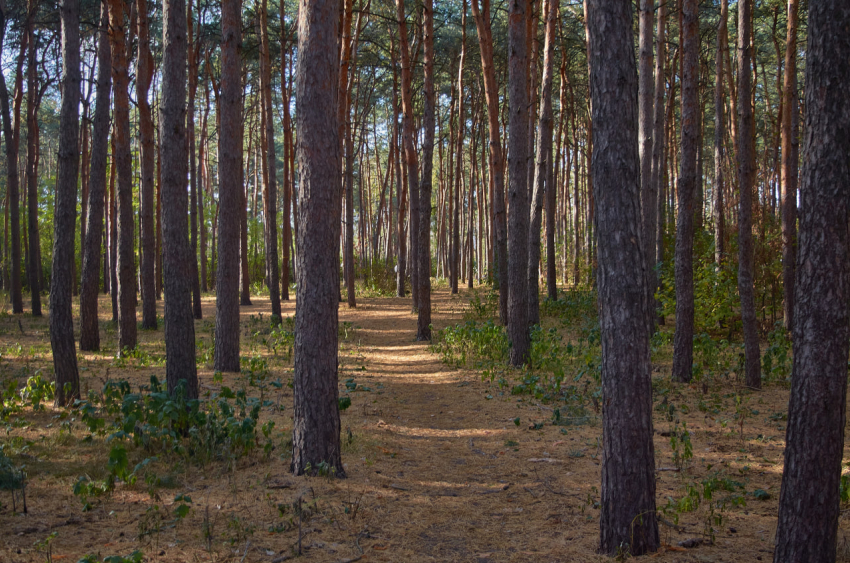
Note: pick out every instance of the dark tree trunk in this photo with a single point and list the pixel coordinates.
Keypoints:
(790, 158)
(126, 266)
(177, 254)
(543, 177)
(316, 425)
(192, 56)
(654, 244)
(147, 145)
(518, 331)
(230, 191)
(10, 137)
(627, 518)
(423, 330)
(89, 333)
(113, 234)
(809, 504)
(347, 146)
(270, 171)
(746, 183)
(67, 377)
(683, 343)
(245, 278)
(648, 189)
(34, 261)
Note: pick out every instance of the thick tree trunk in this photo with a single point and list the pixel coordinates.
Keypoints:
(126, 265)
(790, 158)
(89, 333)
(230, 191)
(809, 504)
(746, 183)
(719, 210)
(491, 92)
(180, 367)
(147, 145)
(518, 331)
(423, 331)
(627, 518)
(10, 136)
(34, 261)
(316, 425)
(683, 342)
(67, 377)
(543, 177)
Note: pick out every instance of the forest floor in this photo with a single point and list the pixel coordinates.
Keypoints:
(442, 464)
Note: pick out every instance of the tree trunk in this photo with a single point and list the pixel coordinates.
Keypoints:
(790, 158)
(34, 261)
(683, 343)
(809, 503)
(89, 333)
(347, 147)
(423, 331)
(746, 183)
(491, 92)
(230, 191)
(126, 265)
(269, 171)
(147, 146)
(67, 377)
(543, 177)
(627, 517)
(316, 425)
(180, 367)
(11, 135)
(409, 151)
(719, 147)
(654, 243)
(518, 331)
(648, 189)
(458, 156)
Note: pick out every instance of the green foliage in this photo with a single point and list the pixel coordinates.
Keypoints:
(12, 477)
(37, 391)
(483, 307)
(776, 363)
(135, 557)
(479, 344)
(574, 304)
(378, 278)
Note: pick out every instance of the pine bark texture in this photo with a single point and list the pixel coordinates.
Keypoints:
(654, 245)
(719, 210)
(126, 262)
(423, 330)
(67, 376)
(648, 188)
(809, 503)
(627, 517)
(230, 203)
(316, 425)
(518, 332)
(543, 176)
(177, 254)
(746, 183)
(89, 332)
(34, 259)
(683, 341)
(790, 158)
(147, 146)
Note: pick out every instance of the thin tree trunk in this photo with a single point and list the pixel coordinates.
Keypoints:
(180, 367)
(316, 426)
(147, 145)
(809, 503)
(719, 147)
(518, 331)
(67, 376)
(683, 343)
(34, 261)
(654, 243)
(746, 183)
(89, 333)
(423, 331)
(126, 265)
(543, 176)
(648, 189)
(11, 128)
(627, 516)
(790, 158)
(230, 191)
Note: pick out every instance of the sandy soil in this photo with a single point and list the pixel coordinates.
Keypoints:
(437, 468)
